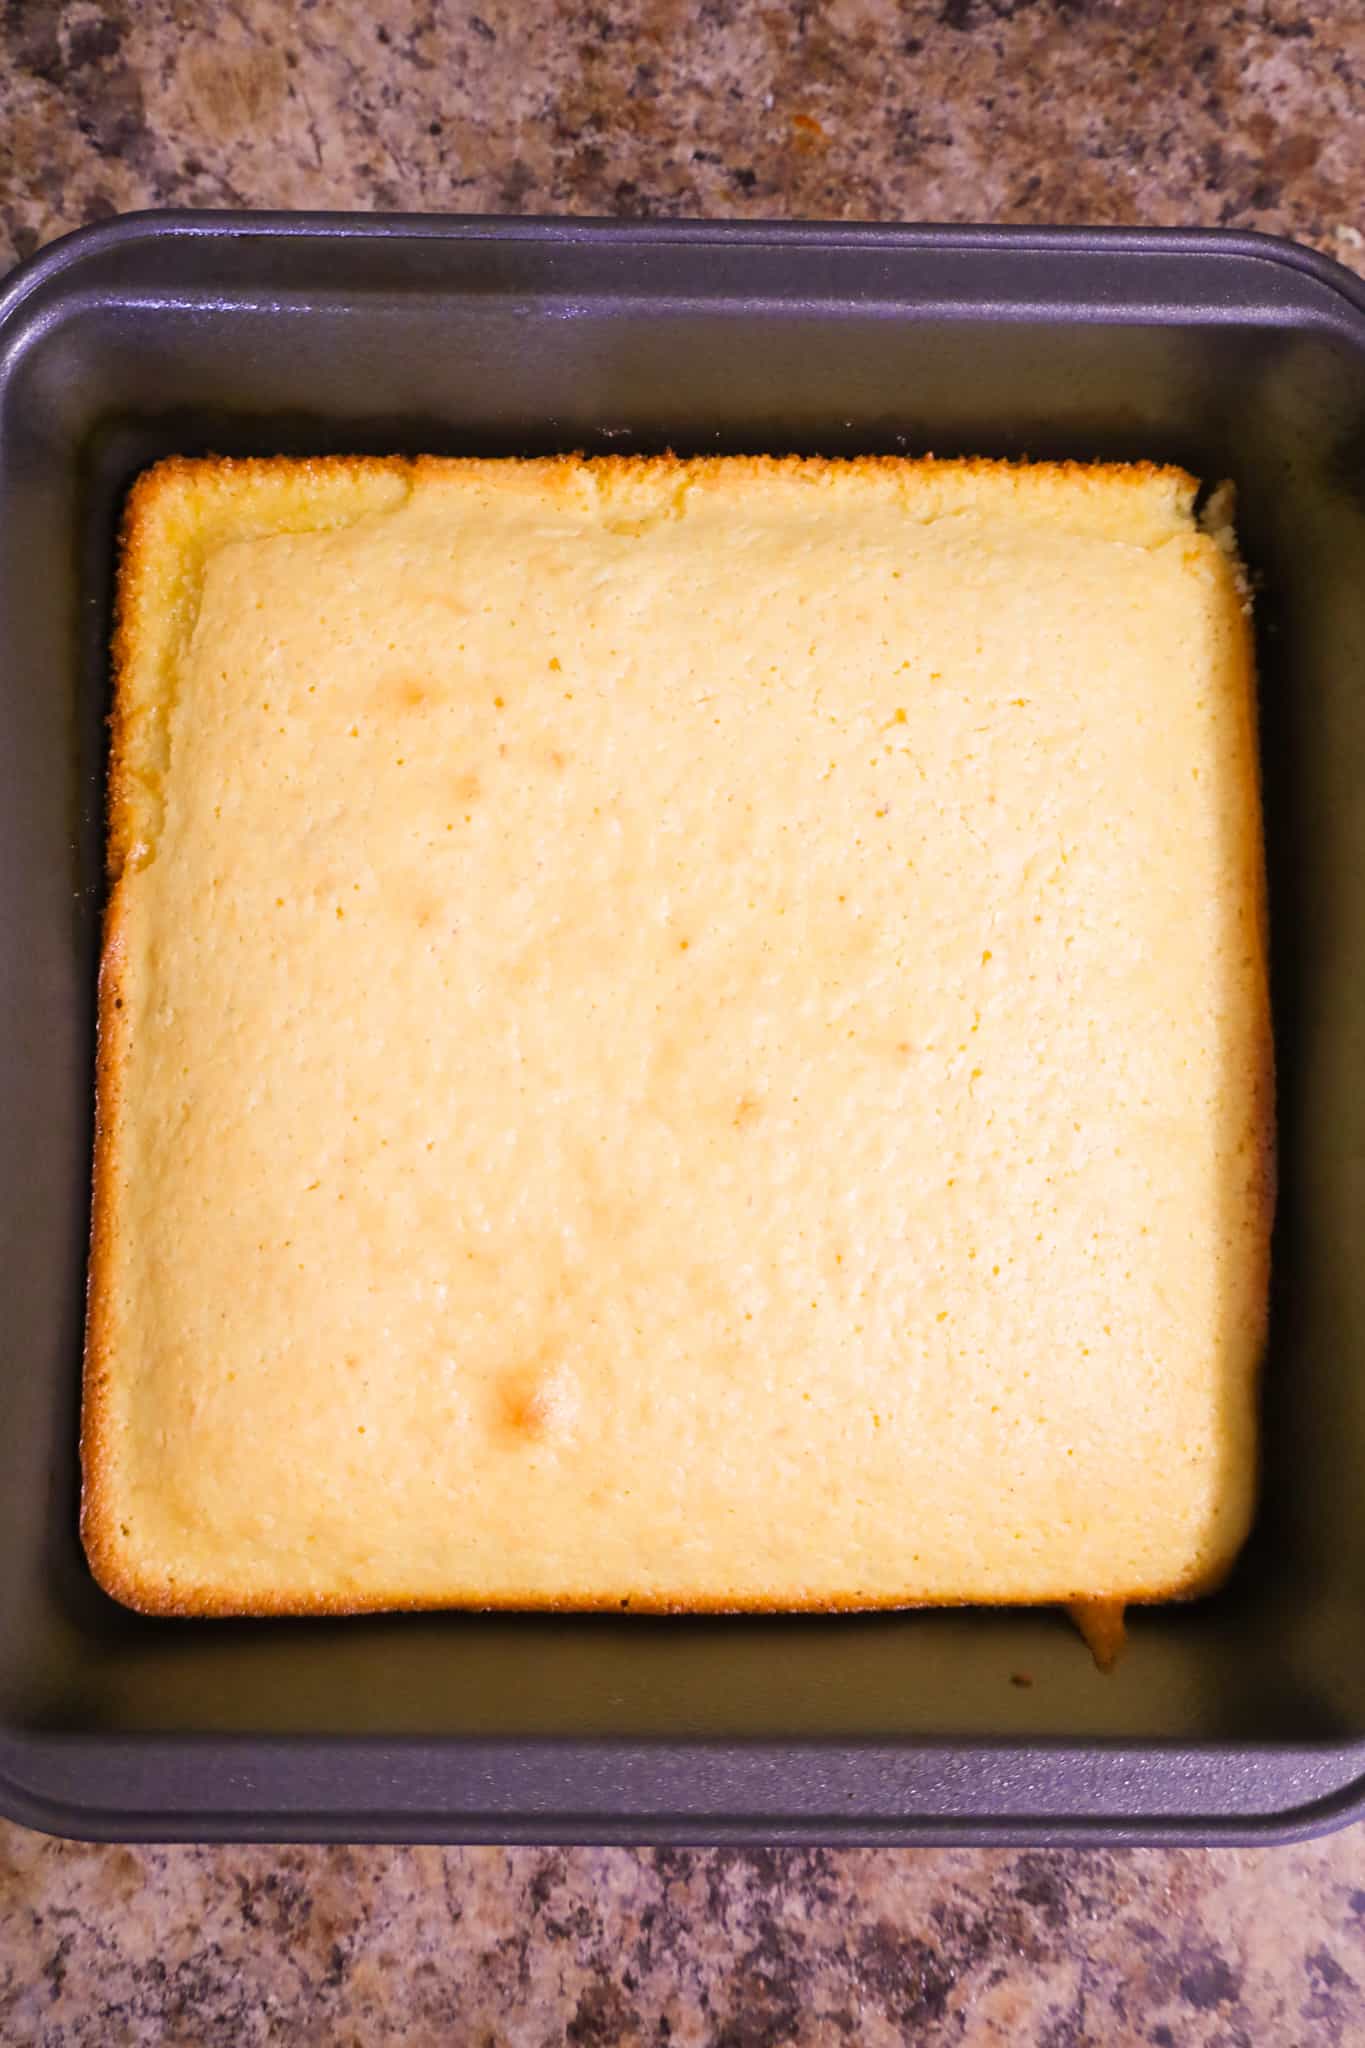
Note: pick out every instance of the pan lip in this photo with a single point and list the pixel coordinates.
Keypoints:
(124, 233)
(64, 1808)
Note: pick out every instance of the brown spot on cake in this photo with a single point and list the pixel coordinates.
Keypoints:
(432, 911)
(522, 1408)
(536, 1399)
(397, 695)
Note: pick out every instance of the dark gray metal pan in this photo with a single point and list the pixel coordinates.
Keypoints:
(1238, 1718)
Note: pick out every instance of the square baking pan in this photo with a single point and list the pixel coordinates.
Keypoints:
(1236, 1718)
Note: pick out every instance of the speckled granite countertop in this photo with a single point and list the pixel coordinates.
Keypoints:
(229, 1948)
(1011, 110)
(1019, 110)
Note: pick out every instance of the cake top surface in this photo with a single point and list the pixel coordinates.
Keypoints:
(682, 1033)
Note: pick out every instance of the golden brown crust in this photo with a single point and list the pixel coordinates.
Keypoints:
(213, 1604)
(1100, 1623)
(101, 1533)
(97, 1530)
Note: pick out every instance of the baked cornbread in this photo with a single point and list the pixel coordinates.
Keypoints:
(676, 1034)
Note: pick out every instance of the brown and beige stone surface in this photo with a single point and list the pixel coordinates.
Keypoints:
(1177, 111)
(231, 1948)
(1173, 111)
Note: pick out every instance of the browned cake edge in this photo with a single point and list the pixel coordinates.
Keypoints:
(152, 492)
